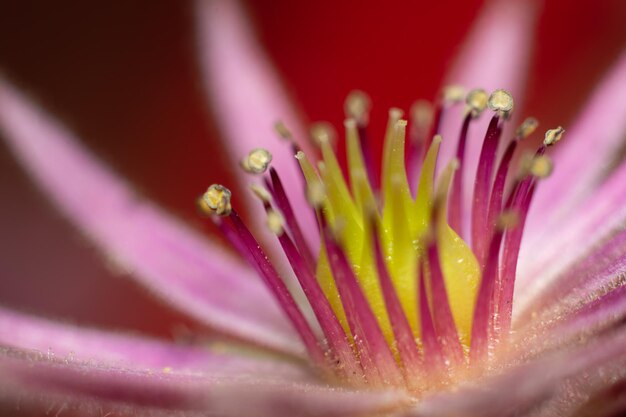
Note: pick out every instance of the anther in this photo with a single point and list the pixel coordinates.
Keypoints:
(553, 136)
(508, 220)
(527, 128)
(501, 102)
(525, 164)
(283, 131)
(322, 132)
(350, 123)
(261, 193)
(395, 113)
(453, 94)
(476, 101)
(541, 166)
(315, 194)
(257, 161)
(216, 200)
(357, 106)
(275, 222)
(422, 114)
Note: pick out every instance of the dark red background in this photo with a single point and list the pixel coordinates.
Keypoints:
(124, 76)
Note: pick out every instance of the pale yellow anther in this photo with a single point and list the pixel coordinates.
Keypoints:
(338, 227)
(316, 194)
(275, 222)
(501, 101)
(357, 106)
(282, 130)
(476, 101)
(422, 112)
(508, 220)
(261, 193)
(527, 128)
(525, 164)
(322, 132)
(350, 123)
(395, 114)
(257, 161)
(553, 136)
(453, 94)
(216, 200)
(541, 166)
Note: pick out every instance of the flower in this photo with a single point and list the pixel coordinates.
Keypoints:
(426, 314)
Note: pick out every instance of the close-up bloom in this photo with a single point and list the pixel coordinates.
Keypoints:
(473, 267)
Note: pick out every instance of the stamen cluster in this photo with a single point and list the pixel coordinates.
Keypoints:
(400, 295)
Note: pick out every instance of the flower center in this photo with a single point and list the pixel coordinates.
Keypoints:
(401, 297)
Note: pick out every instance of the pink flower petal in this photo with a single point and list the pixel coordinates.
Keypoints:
(593, 317)
(73, 343)
(589, 148)
(248, 98)
(190, 273)
(601, 215)
(519, 390)
(30, 379)
(572, 192)
(593, 276)
(495, 55)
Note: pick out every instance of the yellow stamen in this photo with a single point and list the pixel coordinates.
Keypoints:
(397, 220)
(261, 193)
(216, 200)
(283, 131)
(508, 220)
(477, 101)
(553, 136)
(422, 113)
(275, 222)
(357, 106)
(460, 268)
(257, 161)
(322, 132)
(501, 102)
(337, 190)
(453, 94)
(541, 166)
(361, 188)
(527, 128)
(424, 199)
(395, 114)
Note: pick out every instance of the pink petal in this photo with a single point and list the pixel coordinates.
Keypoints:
(248, 98)
(593, 317)
(192, 274)
(519, 390)
(601, 215)
(589, 147)
(495, 55)
(593, 276)
(571, 193)
(73, 343)
(32, 380)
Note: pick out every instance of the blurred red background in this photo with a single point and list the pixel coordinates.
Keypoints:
(124, 76)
